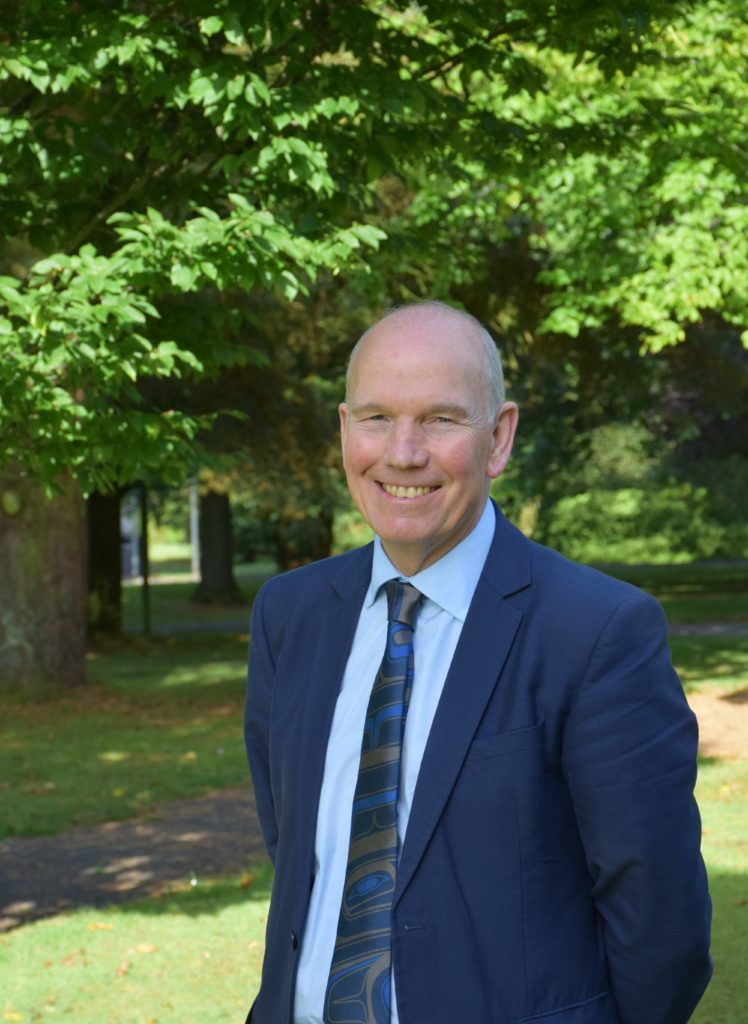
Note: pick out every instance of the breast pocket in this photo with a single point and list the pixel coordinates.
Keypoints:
(505, 790)
(504, 743)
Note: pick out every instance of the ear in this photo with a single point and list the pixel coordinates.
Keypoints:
(503, 439)
(343, 413)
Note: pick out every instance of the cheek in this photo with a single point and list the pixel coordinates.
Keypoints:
(466, 462)
(359, 453)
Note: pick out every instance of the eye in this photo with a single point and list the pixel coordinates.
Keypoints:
(372, 419)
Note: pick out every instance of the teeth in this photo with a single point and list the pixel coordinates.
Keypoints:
(407, 492)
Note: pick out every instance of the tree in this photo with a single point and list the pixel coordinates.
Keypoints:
(104, 550)
(162, 162)
(43, 594)
(217, 582)
(606, 266)
(654, 235)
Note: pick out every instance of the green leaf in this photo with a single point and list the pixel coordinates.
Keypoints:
(260, 87)
(211, 25)
(183, 277)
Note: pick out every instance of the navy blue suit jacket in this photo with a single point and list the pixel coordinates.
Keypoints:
(551, 869)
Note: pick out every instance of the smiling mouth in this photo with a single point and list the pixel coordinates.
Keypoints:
(407, 492)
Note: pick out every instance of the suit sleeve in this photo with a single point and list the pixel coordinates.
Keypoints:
(630, 762)
(257, 722)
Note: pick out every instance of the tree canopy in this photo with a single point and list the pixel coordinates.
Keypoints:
(162, 163)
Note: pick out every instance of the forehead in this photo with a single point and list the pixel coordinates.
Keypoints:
(416, 347)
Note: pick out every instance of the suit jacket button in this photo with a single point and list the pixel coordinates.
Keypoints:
(294, 940)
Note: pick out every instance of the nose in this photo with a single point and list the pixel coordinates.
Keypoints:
(406, 448)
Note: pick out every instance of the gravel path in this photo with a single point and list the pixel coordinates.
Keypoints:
(213, 835)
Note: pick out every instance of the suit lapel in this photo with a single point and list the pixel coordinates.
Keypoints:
(334, 626)
(484, 644)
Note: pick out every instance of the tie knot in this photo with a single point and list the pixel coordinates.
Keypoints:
(403, 600)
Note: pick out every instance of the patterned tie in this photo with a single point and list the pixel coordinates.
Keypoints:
(358, 989)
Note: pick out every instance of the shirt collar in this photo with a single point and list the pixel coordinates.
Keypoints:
(449, 582)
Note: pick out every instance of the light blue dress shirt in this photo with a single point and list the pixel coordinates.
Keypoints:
(448, 586)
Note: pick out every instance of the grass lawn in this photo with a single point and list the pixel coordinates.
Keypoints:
(696, 577)
(697, 592)
(162, 720)
(172, 606)
(705, 662)
(722, 792)
(196, 954)
(188, 956)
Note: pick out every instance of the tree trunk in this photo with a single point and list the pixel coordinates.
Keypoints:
(217, 584)
(104, 564)
(42, 585)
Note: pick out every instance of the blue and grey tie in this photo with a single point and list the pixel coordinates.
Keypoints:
(358, 989)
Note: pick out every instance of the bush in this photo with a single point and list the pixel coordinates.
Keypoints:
(674, 523)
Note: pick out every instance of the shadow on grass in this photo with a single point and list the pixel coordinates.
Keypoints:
(711, 660)
(737, 696)
(172, 607)
(208, 897)
(179, 850)
(183, 665)
(684, 578)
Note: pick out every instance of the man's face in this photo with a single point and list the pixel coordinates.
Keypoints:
(418, 451)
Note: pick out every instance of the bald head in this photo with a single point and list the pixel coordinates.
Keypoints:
(467, 328)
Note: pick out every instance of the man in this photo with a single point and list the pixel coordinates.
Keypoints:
(546, 865)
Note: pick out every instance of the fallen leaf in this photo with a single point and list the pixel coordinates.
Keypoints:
(98, 926)
(123, 968)
(246, 881)
(12, 1015)
(145, 947)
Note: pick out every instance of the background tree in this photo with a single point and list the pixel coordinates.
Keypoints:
(160, 165)
(607, 269)
(217, 583)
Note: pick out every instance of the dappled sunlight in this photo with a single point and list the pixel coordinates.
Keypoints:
(189, 666)
(176, 847)
(88, 759)
(204, 676)
(709, 660)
